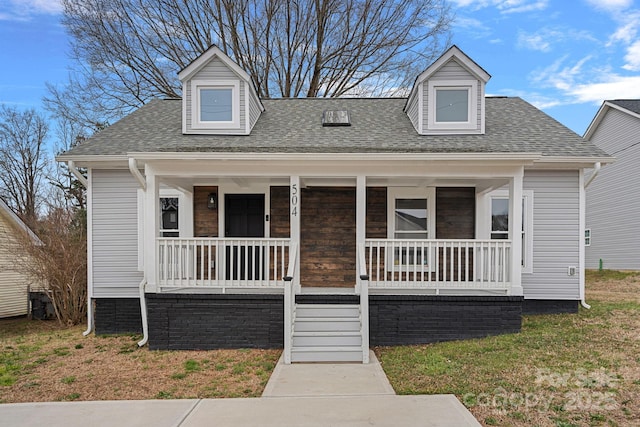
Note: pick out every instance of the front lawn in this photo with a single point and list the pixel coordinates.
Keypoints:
(561, 370)
(40, 361)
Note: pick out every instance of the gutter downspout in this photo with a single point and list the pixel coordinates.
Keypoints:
(596, 170)
(133, 168)
(89, 317)
(81, 178)
(74, 170)
(143, 314)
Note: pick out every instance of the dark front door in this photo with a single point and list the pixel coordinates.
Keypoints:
(244, 218)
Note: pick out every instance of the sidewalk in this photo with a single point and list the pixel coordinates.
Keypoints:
(300, 395)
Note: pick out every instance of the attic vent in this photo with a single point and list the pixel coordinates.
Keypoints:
(336, 118)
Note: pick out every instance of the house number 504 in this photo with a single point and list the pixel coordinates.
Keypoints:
(294, 199)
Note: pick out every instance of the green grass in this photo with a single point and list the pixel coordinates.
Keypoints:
(69, 380)
(557, 359)
(192, 365)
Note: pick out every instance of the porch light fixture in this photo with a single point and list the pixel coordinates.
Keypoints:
(212, 201)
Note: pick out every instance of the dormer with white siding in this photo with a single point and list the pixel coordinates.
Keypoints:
(448, 97)
(218, 97)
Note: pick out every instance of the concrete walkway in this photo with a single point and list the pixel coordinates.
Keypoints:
(300, 395)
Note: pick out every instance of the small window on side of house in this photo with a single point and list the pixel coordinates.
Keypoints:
(587, 237)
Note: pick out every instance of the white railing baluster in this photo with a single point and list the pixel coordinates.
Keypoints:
(438, 264)
(221, 262)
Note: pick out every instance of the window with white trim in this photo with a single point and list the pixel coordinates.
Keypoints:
(453, 105)
(587, 237)
(215, 105)
(499, 223)
(169, 225)
(411, 219)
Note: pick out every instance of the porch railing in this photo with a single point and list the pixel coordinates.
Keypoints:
(438, 264)
(222, 262)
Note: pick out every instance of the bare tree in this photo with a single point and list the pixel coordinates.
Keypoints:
(58, 262)
(129, 51)
(65, 189)
(23, 160)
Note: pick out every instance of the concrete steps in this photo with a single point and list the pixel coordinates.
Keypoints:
(327, 333)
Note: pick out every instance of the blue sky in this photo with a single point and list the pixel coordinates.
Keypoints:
(564, 56)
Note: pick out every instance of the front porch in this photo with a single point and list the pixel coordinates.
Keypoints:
(329, 248)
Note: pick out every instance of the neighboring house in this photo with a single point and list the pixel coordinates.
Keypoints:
(613, 202)
(326, 225)
(15, 285)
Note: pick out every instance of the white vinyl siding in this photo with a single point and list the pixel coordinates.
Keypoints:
(453, 71)
(556, 235)
(413, 111)
(114, 214)
(13, 284)
(613, 205)
(214, 71)
(14, 300)
(254, 109)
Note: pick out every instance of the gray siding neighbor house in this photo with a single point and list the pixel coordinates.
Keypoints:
(323, 226)
(613, 201)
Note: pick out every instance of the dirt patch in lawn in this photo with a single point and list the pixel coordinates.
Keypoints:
(43, 362)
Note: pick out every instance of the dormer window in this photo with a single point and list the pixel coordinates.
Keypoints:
(453, 104)
(215, 105)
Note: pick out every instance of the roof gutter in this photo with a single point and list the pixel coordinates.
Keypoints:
(133, 167)
(74, 170)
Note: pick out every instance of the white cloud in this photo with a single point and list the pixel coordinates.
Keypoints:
(505, 6)
(611, 5)
(475, 27)
(578, 84)
(22, 10)
(627, 34)
(534, 41)
(544, 39)
(632, 57)
(614, 87)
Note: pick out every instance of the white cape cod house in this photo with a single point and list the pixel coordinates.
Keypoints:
(324, 226)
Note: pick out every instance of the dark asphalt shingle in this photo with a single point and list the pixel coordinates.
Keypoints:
(628, 104)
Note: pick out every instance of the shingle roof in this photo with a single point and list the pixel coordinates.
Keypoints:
(628, 104)
(378, 125)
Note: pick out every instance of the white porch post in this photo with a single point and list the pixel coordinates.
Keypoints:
(294, 221)
(515, 231)
(361, 210)
(290, 287)
(151, 223)
(363, 285)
